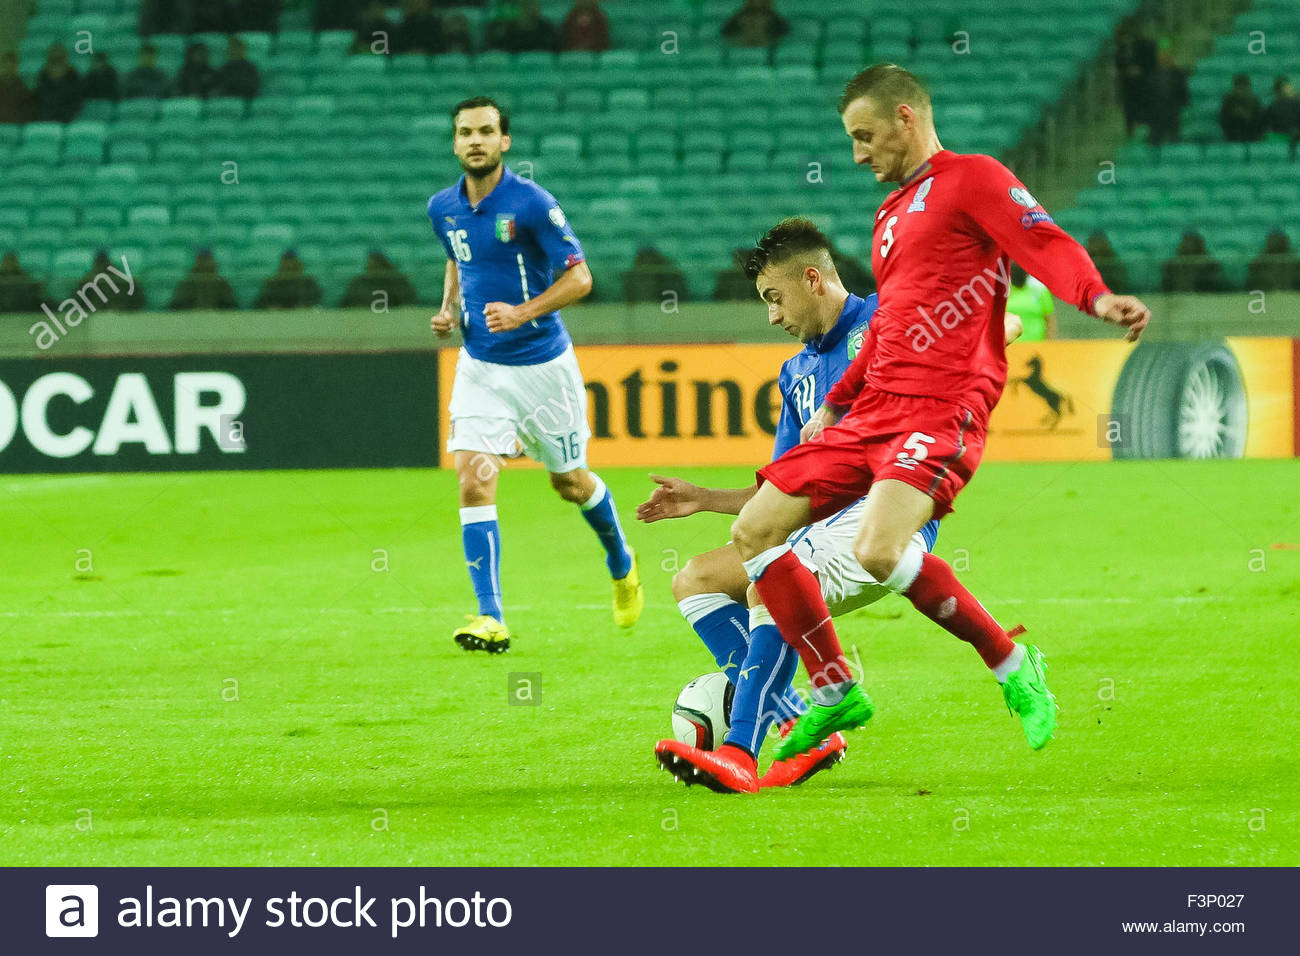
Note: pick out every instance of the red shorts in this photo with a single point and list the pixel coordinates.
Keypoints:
(928, 443)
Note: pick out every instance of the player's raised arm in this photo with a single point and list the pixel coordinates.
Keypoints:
(675, 498)
(1015, 220)
(448, 316)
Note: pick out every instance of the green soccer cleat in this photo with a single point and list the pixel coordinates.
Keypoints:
(482, 633)
(1026, 694)
(820, 722)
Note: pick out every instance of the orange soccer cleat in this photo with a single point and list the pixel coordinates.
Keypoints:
(795, 770)
(726, 770)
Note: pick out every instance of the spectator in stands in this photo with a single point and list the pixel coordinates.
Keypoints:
(335, 14)
(160, 16)
(1166, 96)
(1240, 113)
(1283, 114)
(146, 80)
(1108, 262)
(653, 277)
(289, 287)
(755, 24)
(58, 87)
(204, 287)
(519, 27)
(421, 29)
(237, 76)
(379, 276)
(374, 26)
(1135, 61)
(1193, 269)
(100, 81)
(732, 285)
(585, 27)
(214, 16)
(196, 75)
(119, 300)
(1276, 268)
(1029, 299)
(260, 16)
(456, 35)
(16, 101)
(19, 292)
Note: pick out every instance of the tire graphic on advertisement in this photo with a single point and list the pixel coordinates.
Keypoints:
(1180, 400)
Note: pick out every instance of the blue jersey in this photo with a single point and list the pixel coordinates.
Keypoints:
(808, 376)
(509, 248)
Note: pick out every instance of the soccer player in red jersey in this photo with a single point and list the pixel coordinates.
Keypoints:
(906, 424)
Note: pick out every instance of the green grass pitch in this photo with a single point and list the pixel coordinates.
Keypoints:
(256, 669)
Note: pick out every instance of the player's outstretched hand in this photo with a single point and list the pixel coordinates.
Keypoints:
(502, 316)
(1126, 311)
(443, 323)
(673, 498)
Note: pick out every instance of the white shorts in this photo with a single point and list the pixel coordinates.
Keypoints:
(508, 410)
(826, 548)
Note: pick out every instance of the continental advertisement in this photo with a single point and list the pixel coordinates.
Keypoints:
(660, 406)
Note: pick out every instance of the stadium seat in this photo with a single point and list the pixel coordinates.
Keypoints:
(334, 44)
(83, 151)
(14, 217)
(272, 233)
(179, 151)
(101, 215)
(226, 106)
(137, 110)
(149, 216)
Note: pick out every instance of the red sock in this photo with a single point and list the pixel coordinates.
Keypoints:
(938, 595)
(794, 599)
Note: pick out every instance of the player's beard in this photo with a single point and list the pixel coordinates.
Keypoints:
(481, 172)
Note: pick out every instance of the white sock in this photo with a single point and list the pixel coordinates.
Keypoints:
(756, 565)
(831, 694)
(758, 616)
(478, 513)
(597, 496)
(696, 606)
(908, 567)
(1010, 665)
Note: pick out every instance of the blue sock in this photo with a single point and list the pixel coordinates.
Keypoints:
(481, 539)
(763, 692)
(723, 626)
(601, 514)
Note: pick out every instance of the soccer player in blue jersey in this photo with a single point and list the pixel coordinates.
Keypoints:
(513, 262)
(795, 276)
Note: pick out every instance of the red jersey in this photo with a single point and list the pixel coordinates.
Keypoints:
(941, 252)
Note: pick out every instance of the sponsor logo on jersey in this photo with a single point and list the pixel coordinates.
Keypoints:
(918, 199)
(557, 216)
(1023, 196)
(506, 227)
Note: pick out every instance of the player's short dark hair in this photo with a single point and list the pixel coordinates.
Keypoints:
(888, 84)
(474, 102)
(789, 238)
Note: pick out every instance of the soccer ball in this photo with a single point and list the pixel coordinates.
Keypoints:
(702, 714)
